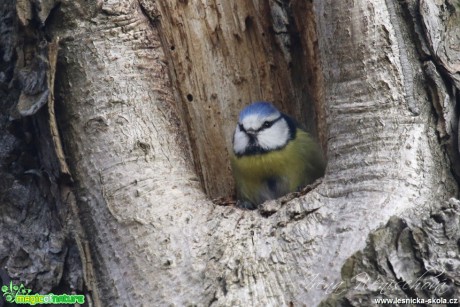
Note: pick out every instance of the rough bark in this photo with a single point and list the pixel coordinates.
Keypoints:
(412, 258)
(37, 239)
(404, 260)
(142, 89)
(128, 154)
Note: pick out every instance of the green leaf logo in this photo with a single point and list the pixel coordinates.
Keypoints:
(10, 292)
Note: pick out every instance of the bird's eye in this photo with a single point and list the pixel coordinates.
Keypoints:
(241, 127)
(267, 124)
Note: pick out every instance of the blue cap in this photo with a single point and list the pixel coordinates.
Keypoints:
(260, 107)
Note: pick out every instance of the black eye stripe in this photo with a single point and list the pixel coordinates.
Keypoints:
(268, 124)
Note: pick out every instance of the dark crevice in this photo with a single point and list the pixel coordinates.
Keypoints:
(297, 216)
(401, 283)
(267, 213)
(152, 15)
(213, 300)
(248, 22)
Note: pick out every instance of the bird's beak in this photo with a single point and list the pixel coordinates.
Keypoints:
(251, 131)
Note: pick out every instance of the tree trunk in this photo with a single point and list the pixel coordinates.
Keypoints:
(147, 94)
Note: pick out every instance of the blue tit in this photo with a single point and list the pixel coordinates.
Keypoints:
(272, 156)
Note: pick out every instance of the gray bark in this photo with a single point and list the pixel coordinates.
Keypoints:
(37, 245)
(142, 89)
(404, 260)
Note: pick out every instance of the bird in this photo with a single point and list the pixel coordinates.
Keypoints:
(272, 156)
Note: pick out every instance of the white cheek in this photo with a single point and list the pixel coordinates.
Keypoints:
(275, 136)
(240, 141)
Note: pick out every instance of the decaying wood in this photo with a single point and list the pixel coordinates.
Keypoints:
(224, 55)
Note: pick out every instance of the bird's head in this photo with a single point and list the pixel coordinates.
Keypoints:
(261, 128)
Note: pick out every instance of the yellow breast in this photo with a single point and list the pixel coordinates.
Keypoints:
(299, 163)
